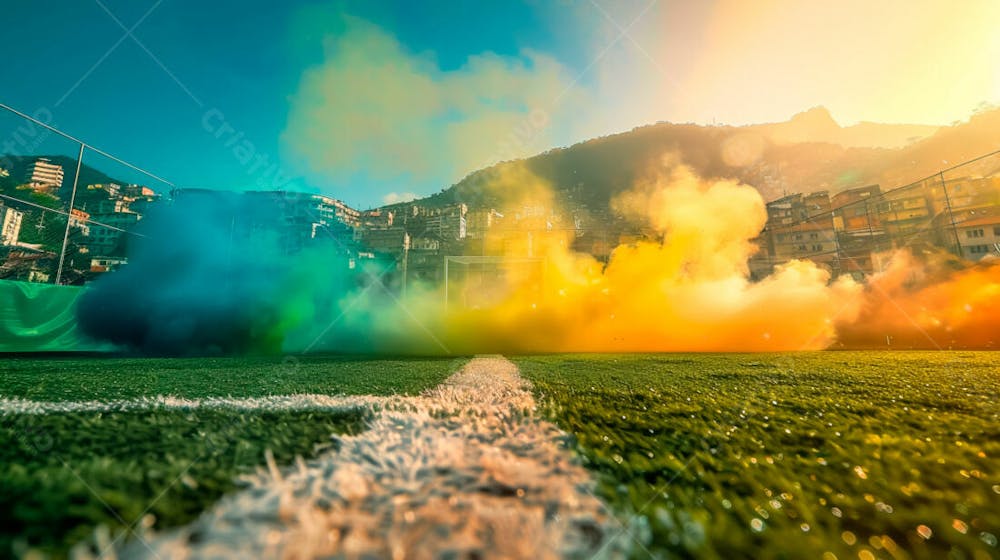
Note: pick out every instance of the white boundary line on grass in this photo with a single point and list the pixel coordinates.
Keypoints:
(466, 469)
(270, 403)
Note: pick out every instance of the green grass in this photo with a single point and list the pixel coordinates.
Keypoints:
(71, 379)
(63, 474)
(847, 454)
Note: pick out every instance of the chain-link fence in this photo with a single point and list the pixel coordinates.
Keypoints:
(67, 209)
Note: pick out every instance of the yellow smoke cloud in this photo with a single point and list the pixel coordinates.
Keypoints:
(683, 288)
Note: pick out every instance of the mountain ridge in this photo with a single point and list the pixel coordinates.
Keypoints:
(818, 125)
(595, 170)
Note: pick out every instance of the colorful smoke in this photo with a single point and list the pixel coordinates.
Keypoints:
(198, 284)
(928, 301)
(685, 288)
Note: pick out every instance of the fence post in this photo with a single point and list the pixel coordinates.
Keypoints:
(446, 283)
(951, 215)
(69, 215)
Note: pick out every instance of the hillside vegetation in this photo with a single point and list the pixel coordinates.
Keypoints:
(806, 154)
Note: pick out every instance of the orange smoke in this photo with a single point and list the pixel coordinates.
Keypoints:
(927, 303)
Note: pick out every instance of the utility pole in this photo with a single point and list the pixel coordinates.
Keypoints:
(69, 216)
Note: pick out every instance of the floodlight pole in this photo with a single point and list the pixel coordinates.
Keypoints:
(69, 216)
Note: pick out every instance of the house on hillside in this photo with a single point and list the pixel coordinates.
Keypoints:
(978, 232)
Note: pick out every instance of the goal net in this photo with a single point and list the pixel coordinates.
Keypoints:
(481, 282)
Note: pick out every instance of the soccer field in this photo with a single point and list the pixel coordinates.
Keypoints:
(809, 455)
(90, 441)
(812, 455)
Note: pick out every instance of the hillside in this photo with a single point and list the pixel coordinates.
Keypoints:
(18, 167)
(810, 152)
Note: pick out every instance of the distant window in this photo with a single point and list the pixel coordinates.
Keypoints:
(798, 237)
(973, 233)
(996, 230)
(813, 236)
(817, 247)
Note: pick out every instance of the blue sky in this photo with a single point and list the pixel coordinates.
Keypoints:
(375, 101)
(240, 59)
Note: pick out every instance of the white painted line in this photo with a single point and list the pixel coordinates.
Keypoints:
(283, 402)
(466, 470)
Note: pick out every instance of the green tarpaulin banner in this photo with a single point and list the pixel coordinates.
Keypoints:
(42, 318)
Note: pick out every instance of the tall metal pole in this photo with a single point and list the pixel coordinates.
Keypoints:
(69, 217)
(951, 215)
(446, 283)
(871, 236)
(406, 260)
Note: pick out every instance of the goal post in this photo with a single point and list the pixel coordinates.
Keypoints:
(484, 278)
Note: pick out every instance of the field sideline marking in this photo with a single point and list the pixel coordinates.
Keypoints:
(466, 469)
(305, 401)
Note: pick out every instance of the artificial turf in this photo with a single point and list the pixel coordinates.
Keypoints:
(64, 474)
(818, 455)
(103, 379)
